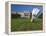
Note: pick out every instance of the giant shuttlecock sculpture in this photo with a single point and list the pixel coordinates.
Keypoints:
(35, 11)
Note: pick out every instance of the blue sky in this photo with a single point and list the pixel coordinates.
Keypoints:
(17, 7)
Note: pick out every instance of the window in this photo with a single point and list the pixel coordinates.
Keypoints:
(26, 14)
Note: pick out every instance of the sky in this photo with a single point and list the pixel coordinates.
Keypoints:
(17, 7)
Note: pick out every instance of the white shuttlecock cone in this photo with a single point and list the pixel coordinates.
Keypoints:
(35, 11)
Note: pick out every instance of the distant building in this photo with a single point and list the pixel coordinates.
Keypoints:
(25, 14)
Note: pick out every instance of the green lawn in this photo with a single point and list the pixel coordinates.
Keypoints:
(19, 24)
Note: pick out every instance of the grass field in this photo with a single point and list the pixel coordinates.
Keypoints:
(19, 24)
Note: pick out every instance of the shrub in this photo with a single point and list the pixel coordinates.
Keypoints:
(15, 15)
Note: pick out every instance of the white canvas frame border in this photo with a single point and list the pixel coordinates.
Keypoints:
(25, 3)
